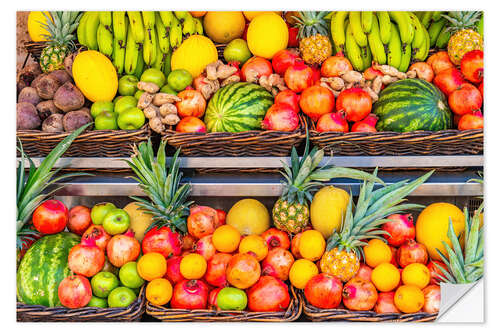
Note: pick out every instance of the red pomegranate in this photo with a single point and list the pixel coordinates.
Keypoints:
(449, 80)
(281, 117)
(299, 77)
(424, 71)
(432, 297)
(192, 104)
(412, 252)
(236, 64)
(316, 75)
(243, 270)
(394, 258)
(324, 291)
(336, 65)
(212, 299)
(371, 73)
(332, 122)
(284, 59)
(205, 247)
(123, 248)
(86, 258)
(472, 66)
(366, 125)
(355, 102)
(189, 294)
(79, 219)
(295, 246)
(472, 120)
(276, 238)
(439, 62)
(216, 269)
(400, 229)
(173, 273)
(188, 242)
(359, 295)
(277, 263)
(256, 67)
(163, 241)
(316, 101)
(221, 217)
(435, 271)
(50, 217)
(97, 233)
(385, 303)
(74, 291)
(293, 40)
(269, 294)
(480, 87)
(191, 125)
(289, 98)
(364, 272)
(465, 99)
(202, 221)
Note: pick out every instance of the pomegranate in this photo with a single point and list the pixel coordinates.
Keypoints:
(79, 219)
(295, 246)
(472, 66)
(191, 125)
(97, 233)
(269, 294)
(359, 295)
(364, 272)
(333, 122)
(188, 242)
(289, 98)
(281, 117)
(293, 40)
(449, 80)
(212, 299)
(316, 101)
(480, 87)
(465, 99)
(243, 270)
(385, 303)
(366, 125)
(456, 119)
(335, 65)
(439, 62)
(472, 120)
(173, 273)
(412, 252)
(123, 248)
(324, 291)
(205, 247)
(192, 104)
(355, 102)
(221, 217)
(394, 257)
(50, 217)
(284, 59)
(236, 64)
(74, 291)
(202, 221)
(432, 297)
(400, 229)
(86, 258)
(256, 67)
(371, 73)
(299, 77)
(424, 71)
(276, 238)
(277, 263)
(436, 272)
(316, 75)
(216, 269)
(163, 241)
(189, 294)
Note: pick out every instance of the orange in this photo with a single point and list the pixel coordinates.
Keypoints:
(226, 238)
(409, 299)
(301, 272)
(417, 275)
(151, 266)
(312, 245)
(223, 27)
(159, 291)
(377, 252)
(385, 277)
(193, 266)
(255, 244)
(198, 14)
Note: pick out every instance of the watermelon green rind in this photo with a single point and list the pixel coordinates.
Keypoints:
(412, 105)
(237, 107)
(43, 267)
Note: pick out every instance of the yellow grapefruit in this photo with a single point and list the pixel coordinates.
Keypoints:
(266, 35)
(35, 28)
(194, 54)
(327, 208)
(249, 216)
(223, 27)
(250, 15)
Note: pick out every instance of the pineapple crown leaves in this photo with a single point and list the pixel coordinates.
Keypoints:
(60, 26)
(30, 187)
(460, 20)
(467, 265)
(311, 23)
(167, 198)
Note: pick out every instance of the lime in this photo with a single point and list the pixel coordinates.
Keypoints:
(179, 79)
(153, 75)
(231, 298)
(98, 107)
(138, 94)
(237, 50)
(102, 283)
(124, 103)
(168, 90)
(121, 297)
(97, 302)
(129, 276)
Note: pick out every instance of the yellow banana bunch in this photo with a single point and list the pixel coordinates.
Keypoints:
(120, 25)
(167, 17)
(198, 26)
(91, 26)
(149, 47)
(163, 34)
(81, 31)
(106, 19)
(136, 25)
(338, 30)
(353, 50)
(131, 53)
(375, 42)
(104, 40)
(188, 25)
(175, 33)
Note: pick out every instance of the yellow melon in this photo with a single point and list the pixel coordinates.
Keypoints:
(327, 208)
(194, 54)
(139, 220)
(266, 35)
(223, 27)
(249, 216)
(250, 15)
(35, 28)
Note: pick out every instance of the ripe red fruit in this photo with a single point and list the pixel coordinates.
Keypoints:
(366, 125)
(50, 217)
(256, 67)
(293, 40)
(212, 299)
(205, 247)
(202, 221)
(335, 66)
(189, 294)
(74, 291)
(355, 102)
(364, 272)
(472, 66)
(191, 125)
(284, 59)
(173, 273)
(97, 233)
(412, 252)
(439, 62)
(86, 258)
(188, 242)
(277, 263)
(316, 101)
(432, 297)
(465, 99)
(332, 122)
(448, 80)
(221, 217)
(480, 87)
(385, 303)
(163, 241)
(216, 269)
(281, 117)
(276, 238)
(435, 272)
(79, 219)
(269, 294)
(324, 291)
(371, 73)
(123, 248)
(359, 295)
(299, 77)
(289, 98)
(400, 229)
(472, 120)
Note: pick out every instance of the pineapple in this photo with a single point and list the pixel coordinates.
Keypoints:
(291, 210)
(464, 37)
(315, 46)
(344, 248)
(167, 199)
(60, 27)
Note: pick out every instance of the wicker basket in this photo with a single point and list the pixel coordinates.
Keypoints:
(133, 312)
(292, 313)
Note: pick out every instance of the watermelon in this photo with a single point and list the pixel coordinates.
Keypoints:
(412, 105)
(43, 267)
(238, 107)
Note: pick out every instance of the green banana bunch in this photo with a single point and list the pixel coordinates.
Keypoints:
(357, 29)
(167, 18)
(91, 25)
(198, 26)
(131, 53)
(175, 33)
(149, 47)
(366, 21)
(405, 58)
(105, 40)
(353, 50)
(82, 29)
(443, 38)
(120, 25)
(188, 25)
(166, 64)
(136, 25)
(139, 67)
(426, 19)
(405, 27)
(119, 55)
(375, 42)
(384, 22)
(394, 47)
(106, 19)
(162, 33)
(418, 37)
(338, 30)
(435, 29)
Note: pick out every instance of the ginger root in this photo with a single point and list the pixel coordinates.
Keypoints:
(372, 94)
(353, 77)
(377, 84)
(336, 83)
(391, 71)
(148, 87)
(225, 71)
(151, 111)
(231, 79)
(387, 79)
(162, 98)
(411, 74)
(272, 81)
(252, 76)
(211, 70)
(171, 119)
(157, 125)
(144, 101)
(167, 109)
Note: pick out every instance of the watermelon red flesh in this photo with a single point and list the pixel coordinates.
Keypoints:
(412, 105)
(238, 107)
(43, 267)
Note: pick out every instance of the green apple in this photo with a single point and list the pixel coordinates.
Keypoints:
(138, 94)
(179, 79)
(237, 50)
(127, 85)
(98, 107)
(121, 297)
(106, 121)
(116, 99)
(96, 302)
(100, 210)
(125, 103)
(116, 221)
(131, 119)
(103, 283)
(129, 276)
(168, 90)
(153, 75)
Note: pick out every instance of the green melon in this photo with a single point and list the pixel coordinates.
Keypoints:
(412, 105)
(43, 267)
(238, 107)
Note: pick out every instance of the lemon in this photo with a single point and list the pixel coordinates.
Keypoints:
(377, 252)
(301, 272)
(409, 299)
(417, 275)
(385, 277)
(312, 245)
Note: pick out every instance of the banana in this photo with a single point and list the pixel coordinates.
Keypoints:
(81, 30)
(91, 30)
(148, 18)
(384, 23)
(405, 58)
(353, 51)
(162, 33)
(418, 14)
(357, 30)
(131, 53)
(139, 67)
(135, 19)
(394, 48)
(175, 33)
(426, 18)
(406, 30)
(149, 46)
(427, 45)
(436, 16)
(198, 26)
(118, 55)
(167, 18)
(418, 37)
(366, 21)
(435, 29)
(104, 40)
(106, 19)
(338, 30)
(443, 38)
(376, 46)
(166, 64)
(160, 58)
(188, 25)
(181, 15)
(120, 25)
(366, 55)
